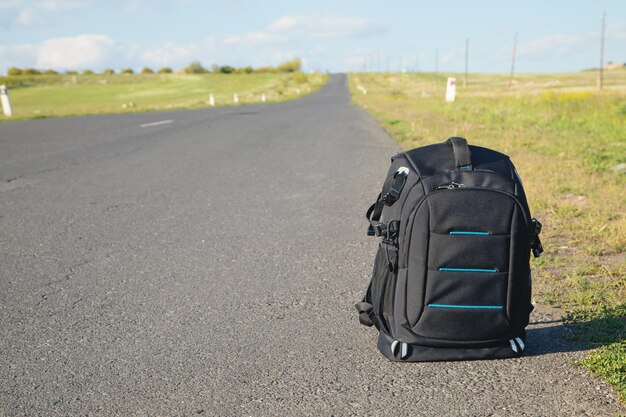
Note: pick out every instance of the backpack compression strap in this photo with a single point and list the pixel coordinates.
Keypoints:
(461, 153)
(389, 195)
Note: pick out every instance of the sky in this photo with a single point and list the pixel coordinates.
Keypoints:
(333, 35)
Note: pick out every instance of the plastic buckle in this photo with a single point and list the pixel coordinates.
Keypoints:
(391, 197)
(391, 232)
(537, 247)
(535, 243)
(395, 189)
(378, 230)
(537, 225)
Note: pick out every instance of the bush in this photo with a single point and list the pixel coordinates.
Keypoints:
(247, 70)
(31, 71)
(50, 72)
(88, 72)
(300, 78)
(266, 70)
(127, 71)
(70, 72)
(294, 65)
(147, 70)
(165, 70)
(226, 69)
(15, 71)
(108, 71)
(290, 66)
(195, 68)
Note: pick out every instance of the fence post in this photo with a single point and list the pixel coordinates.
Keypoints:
(6, 103)
(451, 90)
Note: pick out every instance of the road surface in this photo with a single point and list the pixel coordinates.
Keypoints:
(206, 262)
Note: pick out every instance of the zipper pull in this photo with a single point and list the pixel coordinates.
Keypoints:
(448, 186)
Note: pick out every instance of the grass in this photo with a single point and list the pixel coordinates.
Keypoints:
(567, 140)
(69, 95)
(604, 328)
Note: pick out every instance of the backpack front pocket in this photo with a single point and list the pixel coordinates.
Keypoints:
(464, 304)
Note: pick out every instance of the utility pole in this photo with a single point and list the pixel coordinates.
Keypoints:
(466, 61)
(601, 78)
(513, 61)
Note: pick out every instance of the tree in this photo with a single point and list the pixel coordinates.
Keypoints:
(226, 69)
(195, 68)
(127, 71)
(147, 70)
(290, 66)
(88, 72)
(165, 70)
(15, 71)
(108, 71)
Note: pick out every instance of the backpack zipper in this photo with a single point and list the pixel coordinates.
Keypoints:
(448, 186)
(454, 185)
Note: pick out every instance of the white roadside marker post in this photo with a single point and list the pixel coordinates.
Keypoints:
(263, 98)
(451, 90)
(212, 100)
(236, 98)
(6, 103)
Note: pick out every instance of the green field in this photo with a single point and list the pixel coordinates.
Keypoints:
(41, 96)
(567, 140)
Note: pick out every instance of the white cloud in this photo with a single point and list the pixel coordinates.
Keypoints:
(79, 52)
(255, 38)
(447, 58)
(289, 28)
(327, 26)
(171, 54)
(284, 23)
(30, 13)
(616, 32)
(55, 6)
(553, 45)
(23, 55)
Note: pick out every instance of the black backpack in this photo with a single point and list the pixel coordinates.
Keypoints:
(451, 277)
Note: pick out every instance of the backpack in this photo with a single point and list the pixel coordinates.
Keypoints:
(451, 277)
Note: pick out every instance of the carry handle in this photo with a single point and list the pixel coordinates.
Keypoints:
(461, 153)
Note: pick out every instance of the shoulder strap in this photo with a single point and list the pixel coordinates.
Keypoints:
(461, 151)
(389, 195)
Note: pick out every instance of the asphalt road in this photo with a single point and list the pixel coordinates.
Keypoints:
(208, 265)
